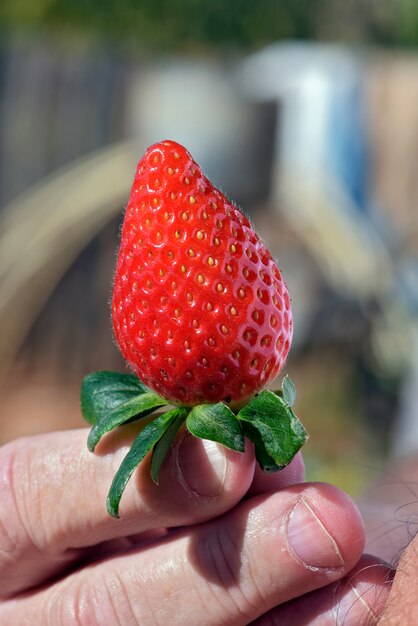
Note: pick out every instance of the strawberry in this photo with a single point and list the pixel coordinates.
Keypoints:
(200, 310)
(202, 316)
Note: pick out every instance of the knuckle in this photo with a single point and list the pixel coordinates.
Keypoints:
(81, 602)
(119, 599)
(220, 557)
(72, 604)
(14, 534)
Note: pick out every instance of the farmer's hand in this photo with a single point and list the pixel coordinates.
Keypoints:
(215, 543)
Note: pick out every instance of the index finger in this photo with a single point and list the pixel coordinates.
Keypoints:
(54, 492)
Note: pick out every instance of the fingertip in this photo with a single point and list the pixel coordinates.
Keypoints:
(200, 479)
(208, 469)
(357, 599)
(240, 470)
(264, 482)
(339, 515)
(362, 595)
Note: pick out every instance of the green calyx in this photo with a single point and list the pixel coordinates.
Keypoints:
(110, 399)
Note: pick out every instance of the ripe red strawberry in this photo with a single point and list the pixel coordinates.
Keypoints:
(202, 315)
(200, 310)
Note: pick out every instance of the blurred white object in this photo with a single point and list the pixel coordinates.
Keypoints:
(189, 101)
(196, 103)
(320, 161)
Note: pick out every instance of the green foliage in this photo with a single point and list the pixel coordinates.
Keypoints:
(218, 423)
(173, 25)
(169, 24)
(102, 392)
(288, 391)
(132, 410)
(110, 399)
(162, 447)
(143, 443)
(276, 432)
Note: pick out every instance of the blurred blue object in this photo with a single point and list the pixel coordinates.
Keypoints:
(322, 112)
(347, 140)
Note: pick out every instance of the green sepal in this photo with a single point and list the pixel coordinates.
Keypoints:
(110, 399)
(275, 430)
(265, 461)
(162, 447)
(142, 444)
(102, 392)
(218, 423)
(288, 391)
(136, 407)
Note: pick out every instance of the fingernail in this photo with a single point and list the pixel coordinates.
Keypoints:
(309, 540)
(202, 466)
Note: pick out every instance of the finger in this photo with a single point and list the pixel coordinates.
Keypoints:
(356, 600)
(264, 482)
(54, 493)
(232, 570)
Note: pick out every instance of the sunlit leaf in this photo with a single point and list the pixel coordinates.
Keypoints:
(218, 423)
(288, 391)
(143, 443)
(163, 445)
(102, 392)
(273, 427)
(136, 407)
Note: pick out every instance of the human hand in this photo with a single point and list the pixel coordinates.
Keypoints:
(217, 542)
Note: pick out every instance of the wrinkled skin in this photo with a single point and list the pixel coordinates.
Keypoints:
(216, 543)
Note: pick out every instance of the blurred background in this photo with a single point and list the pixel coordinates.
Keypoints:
(305, 113)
